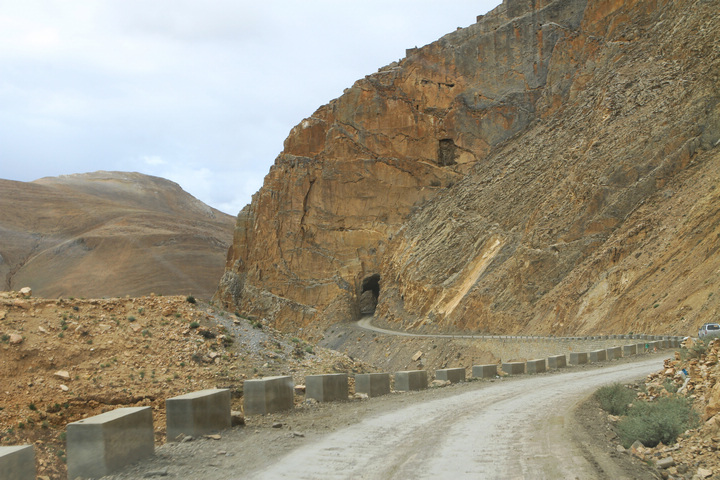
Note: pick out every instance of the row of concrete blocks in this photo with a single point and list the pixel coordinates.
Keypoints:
(274, 394)
(99, 445)
(592, 337)
(581, 358)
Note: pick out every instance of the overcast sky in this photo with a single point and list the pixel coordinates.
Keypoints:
(200, 92)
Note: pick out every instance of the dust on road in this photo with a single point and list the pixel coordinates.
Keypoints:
(513, 428)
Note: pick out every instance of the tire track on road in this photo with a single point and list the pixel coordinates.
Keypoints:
(506, 430)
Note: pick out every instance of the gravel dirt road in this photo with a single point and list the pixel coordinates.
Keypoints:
(523, 427)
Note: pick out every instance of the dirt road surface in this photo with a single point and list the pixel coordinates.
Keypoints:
(518, 429)
(515, 428)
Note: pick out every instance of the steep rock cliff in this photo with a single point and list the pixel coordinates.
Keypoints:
(603, 215)
(480, 182)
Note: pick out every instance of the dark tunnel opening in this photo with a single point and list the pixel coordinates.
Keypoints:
(369, 294)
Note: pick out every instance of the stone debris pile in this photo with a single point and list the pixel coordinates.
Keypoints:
(693, 373)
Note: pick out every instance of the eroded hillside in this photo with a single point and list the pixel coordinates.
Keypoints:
(109, 234)
(551, 168)
(603, 215)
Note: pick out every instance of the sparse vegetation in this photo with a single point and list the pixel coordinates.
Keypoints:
(615, 399)
(662, 420)
(131, 318)
(190, 299)
(697, 350)
(670, 386)
(207, 334)
(194, 325)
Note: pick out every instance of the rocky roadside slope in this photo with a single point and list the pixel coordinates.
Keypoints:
(694, 372)
(67, 359)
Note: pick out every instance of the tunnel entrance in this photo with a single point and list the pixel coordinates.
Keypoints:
(446, 152)
(369, 293)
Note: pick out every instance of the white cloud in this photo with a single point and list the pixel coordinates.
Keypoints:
(203, 93)
(153, 160)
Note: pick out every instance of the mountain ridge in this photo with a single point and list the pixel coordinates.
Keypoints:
(109, 234)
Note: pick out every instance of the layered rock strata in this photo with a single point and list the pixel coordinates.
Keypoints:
(601, 216)
(496, 179)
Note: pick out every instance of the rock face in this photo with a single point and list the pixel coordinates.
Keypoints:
(109, 234)
(549, 168)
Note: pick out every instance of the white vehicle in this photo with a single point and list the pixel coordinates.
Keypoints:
(709, 330)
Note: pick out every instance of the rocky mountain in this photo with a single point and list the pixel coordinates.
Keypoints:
(109, 234)
(550, 169)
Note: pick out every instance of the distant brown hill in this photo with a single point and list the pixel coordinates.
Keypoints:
(107, 234)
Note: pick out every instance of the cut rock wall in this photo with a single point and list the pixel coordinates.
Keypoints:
(551, 168)
(351, 174)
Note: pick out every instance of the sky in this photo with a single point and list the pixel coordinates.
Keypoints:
(201, 92)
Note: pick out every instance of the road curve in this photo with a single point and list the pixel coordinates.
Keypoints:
(510, 429)
(366, 324)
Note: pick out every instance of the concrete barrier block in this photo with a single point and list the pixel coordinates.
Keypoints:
(613, 353)
(197, 413)
(17, 462)
(513, 368)
(327, 388)
(484, 371)
(99, 445)
(597, 356)
(411, 380)
(372, 384)
(578, 358)
(452, 375)
(665, 343)
(535, 366)
(267, 395)
(557, 361)
(629, 350)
